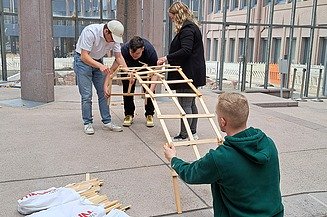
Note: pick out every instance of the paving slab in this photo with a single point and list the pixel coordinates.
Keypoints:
(44, 146)
(304, 206)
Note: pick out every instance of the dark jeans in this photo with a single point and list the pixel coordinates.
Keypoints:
(129, 106)
(189, 106)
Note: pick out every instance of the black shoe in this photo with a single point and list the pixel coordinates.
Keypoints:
(179, 137)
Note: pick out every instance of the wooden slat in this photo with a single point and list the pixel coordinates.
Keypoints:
(116, 206)
(168, 82)
(125, 208)
(176, 192)
(177, 116)
(127, 94)
(157, 95)
(197, 142)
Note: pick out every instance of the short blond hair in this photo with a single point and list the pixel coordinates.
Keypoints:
(234, 108)
(182, 13)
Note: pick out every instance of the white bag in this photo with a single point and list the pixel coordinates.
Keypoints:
(77, 208)
(117, 213)
(44, 199)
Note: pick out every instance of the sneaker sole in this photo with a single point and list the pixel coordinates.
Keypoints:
(150, 125)
(89, 133)
(113, 130)
(179, 140)
(127, 125)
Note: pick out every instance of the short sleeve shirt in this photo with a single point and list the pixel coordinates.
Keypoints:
(92, 40)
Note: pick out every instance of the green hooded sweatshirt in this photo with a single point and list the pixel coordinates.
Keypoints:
(243, 173)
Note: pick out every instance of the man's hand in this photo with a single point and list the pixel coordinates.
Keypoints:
(131, 78)
(106, 91)
(104, 69)
(161, 60)
(169, 151)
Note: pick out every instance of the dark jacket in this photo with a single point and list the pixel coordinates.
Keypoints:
(243, 173)
(186, 50)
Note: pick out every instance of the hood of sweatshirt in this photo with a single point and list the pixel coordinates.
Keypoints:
(252, 143)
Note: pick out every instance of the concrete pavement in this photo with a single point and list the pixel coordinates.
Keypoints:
(43, 145)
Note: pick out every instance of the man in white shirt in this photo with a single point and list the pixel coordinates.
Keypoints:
(95, 41)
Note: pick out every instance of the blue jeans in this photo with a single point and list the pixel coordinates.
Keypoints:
(189, 106)
(86, 75)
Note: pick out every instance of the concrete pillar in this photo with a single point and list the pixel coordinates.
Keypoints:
(36, 50)
(143, 18)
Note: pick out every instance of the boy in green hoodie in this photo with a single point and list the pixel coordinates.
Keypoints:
(243, 172)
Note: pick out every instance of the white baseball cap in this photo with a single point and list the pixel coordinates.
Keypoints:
(117, 30)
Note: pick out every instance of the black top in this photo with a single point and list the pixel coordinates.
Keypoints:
(186, 50)
(149, 55)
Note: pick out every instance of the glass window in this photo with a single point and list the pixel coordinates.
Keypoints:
(323, 51)
(208, 48)
(195, 5)
(109, 8)
(1, 73)
(232, 50)
(210, 6)
(276, 50)
(304, 50)
(234, 4)
(263, 46)
(250, 50)
(10, 6)
(266, 2)
(280, 1)
(63, 7)
(187, 2)
(241, 46)
(217, 6)
(293, 47)
(215, 49)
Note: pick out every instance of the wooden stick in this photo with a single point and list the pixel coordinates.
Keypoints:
(113, 207)
(127, 94)
(109, 204)
(176, 192)
(174, 95)
(98, 199)
(186, 115)
(197, 142)
(169, 82)
(89, 194)
(125, 208)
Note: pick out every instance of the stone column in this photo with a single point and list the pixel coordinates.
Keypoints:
(36, 50)
(152, 25)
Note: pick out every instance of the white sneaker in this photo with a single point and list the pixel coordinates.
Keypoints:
(112, 127)
(88, 129)
(195, 136)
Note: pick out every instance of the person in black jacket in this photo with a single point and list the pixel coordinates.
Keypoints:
(186, 50)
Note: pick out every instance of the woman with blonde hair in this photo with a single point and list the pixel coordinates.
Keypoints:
(186, 50)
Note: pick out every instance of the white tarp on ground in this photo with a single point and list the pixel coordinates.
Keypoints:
(44, 199)
(116, 213)
(78, 208)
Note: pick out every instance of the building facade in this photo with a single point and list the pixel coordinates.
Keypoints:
(258, 34)
(148, 18)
